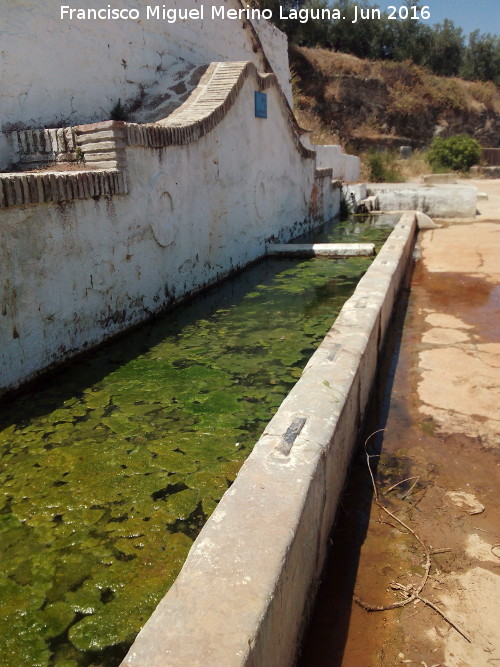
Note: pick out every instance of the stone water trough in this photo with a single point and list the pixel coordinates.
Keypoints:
(244, 592)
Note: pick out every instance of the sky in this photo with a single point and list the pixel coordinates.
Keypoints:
(467, 14)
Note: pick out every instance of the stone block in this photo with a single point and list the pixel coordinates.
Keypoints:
(321, 249)
(105, 164)
(424, 221)
(102, 146)
(367, 205)
(104, 135)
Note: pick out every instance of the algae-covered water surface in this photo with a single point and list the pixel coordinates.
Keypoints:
(110, 469)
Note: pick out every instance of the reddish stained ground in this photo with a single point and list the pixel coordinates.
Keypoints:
(451, 452)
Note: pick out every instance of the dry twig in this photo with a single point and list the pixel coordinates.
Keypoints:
(401, 482)
(441, 613)
(410, 489)
(410, 593)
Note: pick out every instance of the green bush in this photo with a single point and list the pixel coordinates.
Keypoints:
(457, 153)
(382, 167)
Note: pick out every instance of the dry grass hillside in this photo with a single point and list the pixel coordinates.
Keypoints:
(364, 103)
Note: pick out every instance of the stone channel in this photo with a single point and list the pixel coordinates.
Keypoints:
(244, 592)
(111, 466)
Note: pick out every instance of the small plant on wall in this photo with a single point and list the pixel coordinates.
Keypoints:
(346, 206)
(119, 111)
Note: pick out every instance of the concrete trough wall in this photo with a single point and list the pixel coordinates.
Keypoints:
(438, 201)
(245, 589)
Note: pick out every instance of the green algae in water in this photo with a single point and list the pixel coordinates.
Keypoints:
(109, 471)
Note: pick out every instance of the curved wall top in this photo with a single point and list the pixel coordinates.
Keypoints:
(62, 72)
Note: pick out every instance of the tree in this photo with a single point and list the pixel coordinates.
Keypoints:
(440, 48)
(482, 58)
(446, 49)
(365, 38)
(412, 38)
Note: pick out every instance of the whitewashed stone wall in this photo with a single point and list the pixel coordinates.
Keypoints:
(67, 72)
(275, 45)
(437, 201)
(345, 167)
(77, 271)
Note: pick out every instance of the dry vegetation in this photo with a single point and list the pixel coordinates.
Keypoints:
(338, 95)
(405, 79)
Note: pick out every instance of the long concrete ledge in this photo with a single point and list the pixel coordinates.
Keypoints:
(333, 250)
(244, 591)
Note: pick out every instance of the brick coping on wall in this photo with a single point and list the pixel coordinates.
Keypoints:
(103, 145)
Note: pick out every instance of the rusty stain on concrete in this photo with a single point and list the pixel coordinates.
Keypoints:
(439, 407)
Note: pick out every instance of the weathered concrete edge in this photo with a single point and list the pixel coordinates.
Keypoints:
(247, 583)
(438, 201)
(321, 249)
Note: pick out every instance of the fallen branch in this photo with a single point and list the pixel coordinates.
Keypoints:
(388, 523)
(410, 593)
(441, 613)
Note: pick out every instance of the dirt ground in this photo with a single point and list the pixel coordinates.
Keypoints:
(437, 469)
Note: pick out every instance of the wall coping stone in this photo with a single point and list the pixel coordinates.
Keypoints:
(207, 106)
(333, 250)
(22, 189)
(104, 144)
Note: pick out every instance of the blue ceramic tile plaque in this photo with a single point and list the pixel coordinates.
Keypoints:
(260, 105)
